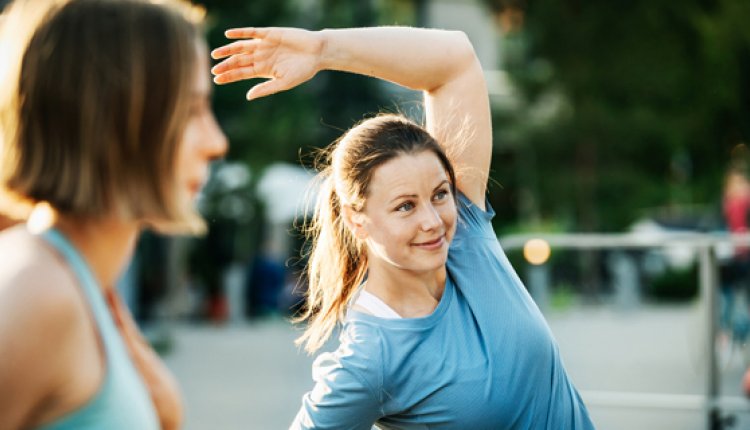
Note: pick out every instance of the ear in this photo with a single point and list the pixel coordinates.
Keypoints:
(354, 221)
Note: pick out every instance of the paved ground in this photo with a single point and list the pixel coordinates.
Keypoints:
(251, 376)
(239, 377)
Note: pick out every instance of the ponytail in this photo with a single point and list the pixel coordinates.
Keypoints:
(337, 265)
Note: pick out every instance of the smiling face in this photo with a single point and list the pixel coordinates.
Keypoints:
(203, 140)
(409, 216)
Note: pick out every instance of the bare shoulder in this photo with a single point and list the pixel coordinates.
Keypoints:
(33, 277)
(41, 315)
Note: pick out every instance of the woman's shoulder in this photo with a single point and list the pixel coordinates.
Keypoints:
(36, 288)
(29, 262)
(41, 316)
(474, 219)
(357, 354)
(360, 338)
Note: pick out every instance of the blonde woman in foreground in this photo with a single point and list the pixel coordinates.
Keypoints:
(437, 330)
(105, 118)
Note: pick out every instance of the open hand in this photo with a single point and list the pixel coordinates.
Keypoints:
(287, 56)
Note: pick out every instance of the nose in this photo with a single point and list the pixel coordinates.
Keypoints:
(430, 219)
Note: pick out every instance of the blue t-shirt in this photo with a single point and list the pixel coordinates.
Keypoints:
(484, 359)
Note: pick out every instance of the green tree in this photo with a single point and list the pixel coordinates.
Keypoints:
(269, 129)
(313, 115)
(623, 105)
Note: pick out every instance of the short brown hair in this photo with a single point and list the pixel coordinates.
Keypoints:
(96, 105)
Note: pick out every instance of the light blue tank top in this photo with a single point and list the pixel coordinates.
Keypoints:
(122, 401)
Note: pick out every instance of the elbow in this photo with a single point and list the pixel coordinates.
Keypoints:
(464, 55)
(460, 57)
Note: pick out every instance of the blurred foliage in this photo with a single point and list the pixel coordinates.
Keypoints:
(674, 285)
(620, 106)
(562, 297)
(262, 131)
(286, 126)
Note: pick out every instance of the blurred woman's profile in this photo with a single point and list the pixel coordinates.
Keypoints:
(106, 122)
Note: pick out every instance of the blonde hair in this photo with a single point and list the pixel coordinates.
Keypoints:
(94, 106)
(338, 261)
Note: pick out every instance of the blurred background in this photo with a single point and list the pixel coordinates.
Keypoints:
(616, 124)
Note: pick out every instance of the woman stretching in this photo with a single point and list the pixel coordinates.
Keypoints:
(437, 330)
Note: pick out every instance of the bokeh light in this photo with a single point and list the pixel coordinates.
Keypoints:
(536, 251)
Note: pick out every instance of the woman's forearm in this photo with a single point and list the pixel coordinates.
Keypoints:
(416, 58)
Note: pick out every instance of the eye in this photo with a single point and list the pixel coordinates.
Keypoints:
(405, 207)
(441, 194)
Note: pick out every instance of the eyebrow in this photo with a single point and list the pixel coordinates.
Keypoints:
(404, 196)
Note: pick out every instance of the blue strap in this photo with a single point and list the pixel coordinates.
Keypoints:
(87, 281)
(122, 402)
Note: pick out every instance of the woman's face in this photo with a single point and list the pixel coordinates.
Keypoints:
(203, 140)
(409, 216)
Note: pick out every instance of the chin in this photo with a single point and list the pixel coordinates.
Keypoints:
(430, 266)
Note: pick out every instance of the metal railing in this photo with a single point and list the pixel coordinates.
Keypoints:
(712, 403)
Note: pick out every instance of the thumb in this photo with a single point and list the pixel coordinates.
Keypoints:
(271, 86)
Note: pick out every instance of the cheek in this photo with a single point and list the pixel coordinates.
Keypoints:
(187, 146)
(191, 136)
(388, 234)
(450, 217)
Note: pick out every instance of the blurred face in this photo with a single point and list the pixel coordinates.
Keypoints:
(410, 215)
(203, 140)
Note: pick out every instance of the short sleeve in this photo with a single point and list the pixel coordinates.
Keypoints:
(472, 220)
(342, 398)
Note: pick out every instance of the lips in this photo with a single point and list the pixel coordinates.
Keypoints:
(195, 187)
(431, 244)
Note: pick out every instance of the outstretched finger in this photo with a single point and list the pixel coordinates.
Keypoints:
(235, 75)
(266, 88)
(238, 47)
(233, 62)
(246, 33)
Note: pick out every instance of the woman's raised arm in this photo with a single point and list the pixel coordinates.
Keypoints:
(440, 63)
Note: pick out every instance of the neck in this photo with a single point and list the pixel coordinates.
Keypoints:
(105, 244)
(410, 294)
